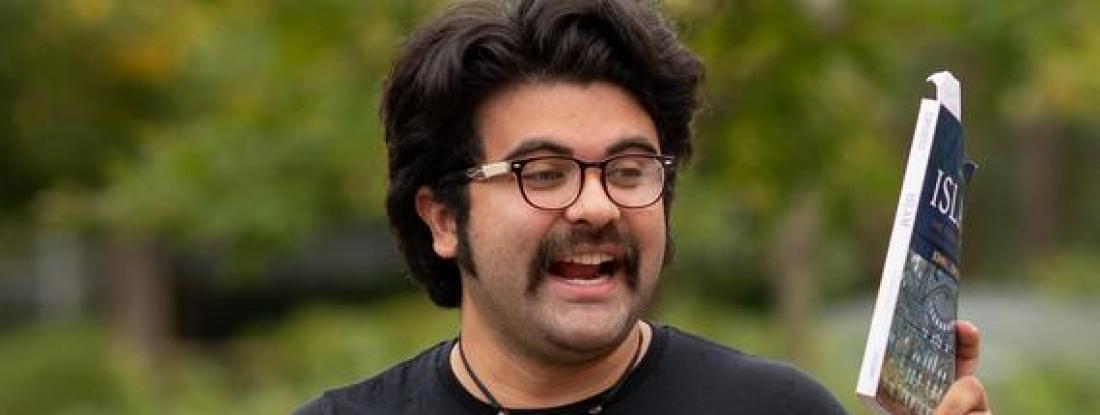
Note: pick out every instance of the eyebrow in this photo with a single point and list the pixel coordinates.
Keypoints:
(537, 144)
(627, 143)
(546, 144)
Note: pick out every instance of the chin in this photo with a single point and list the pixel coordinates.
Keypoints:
(589, 331)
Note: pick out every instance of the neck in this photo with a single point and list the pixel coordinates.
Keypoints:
(521, 381)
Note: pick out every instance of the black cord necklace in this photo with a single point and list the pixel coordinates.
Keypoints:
(597, 409)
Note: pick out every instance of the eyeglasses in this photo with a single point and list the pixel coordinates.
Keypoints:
(555, 182)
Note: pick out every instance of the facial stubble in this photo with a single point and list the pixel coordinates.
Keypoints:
(523, 336)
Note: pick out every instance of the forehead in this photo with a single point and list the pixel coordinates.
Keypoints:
(588, 121)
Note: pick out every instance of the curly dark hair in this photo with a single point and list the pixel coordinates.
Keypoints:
(450, 65)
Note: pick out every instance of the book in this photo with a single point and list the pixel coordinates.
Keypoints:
(909, 360)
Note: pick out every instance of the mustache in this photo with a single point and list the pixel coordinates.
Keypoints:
(557, 244)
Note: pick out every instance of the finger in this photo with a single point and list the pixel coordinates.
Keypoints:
(965, 396)
(967, 342)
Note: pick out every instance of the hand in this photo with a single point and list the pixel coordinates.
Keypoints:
(966, 395)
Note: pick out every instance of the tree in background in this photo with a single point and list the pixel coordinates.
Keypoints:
(249, 126)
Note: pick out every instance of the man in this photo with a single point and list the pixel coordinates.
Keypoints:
(533, 148)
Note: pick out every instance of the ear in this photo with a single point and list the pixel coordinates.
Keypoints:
(440, 220)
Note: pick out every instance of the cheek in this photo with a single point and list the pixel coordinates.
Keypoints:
(502, 225)
(648, 227)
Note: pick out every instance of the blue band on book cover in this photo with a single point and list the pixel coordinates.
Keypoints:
(920, 352)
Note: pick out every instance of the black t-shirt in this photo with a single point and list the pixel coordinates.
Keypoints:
(679, 374)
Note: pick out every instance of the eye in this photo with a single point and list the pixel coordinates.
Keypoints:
(629, 172)
(545, 174)
(625, 176)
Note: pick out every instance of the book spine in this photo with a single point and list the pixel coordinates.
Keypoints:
(900, 236)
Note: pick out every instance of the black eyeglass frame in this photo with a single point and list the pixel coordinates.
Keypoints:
(490, 170)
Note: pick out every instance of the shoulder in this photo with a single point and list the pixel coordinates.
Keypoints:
(396, 390)
(698, 354)
(778, 387)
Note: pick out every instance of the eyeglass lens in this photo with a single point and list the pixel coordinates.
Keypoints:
(555, 183)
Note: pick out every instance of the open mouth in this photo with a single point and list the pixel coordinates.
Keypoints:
(585, 269)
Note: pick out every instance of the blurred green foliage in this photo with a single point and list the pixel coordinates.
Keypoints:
(820, 98)
(243, 124)
(249, 126)
(70, 359)
(71, 369)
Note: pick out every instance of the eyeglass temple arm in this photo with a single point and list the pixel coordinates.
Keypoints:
(488, 171)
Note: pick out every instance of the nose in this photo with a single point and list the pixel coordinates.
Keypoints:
(593, 206)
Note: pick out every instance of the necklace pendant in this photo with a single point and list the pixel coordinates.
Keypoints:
(595, 410)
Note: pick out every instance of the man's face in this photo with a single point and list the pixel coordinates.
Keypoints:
(561, 284)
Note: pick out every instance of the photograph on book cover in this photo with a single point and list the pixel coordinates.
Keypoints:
(920, 353)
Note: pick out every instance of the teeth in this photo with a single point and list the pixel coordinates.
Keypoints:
(588, 259)
(592, 281)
